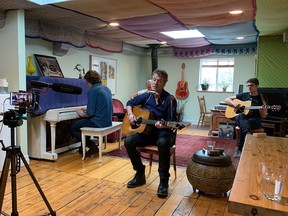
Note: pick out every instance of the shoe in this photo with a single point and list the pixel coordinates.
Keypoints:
(237, 153)
(93, 150)
(162, 191)
(138, 180)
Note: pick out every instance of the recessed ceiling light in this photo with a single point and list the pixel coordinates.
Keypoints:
(183, 34)
(235, 12)
(45, 2)
(114, 24)
(239, 38)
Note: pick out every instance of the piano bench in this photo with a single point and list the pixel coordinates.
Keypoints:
(100, 133)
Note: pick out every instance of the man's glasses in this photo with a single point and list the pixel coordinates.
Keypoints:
(250, 85)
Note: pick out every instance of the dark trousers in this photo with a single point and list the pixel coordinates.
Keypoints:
(246, 124)
(74, 129)
(164, 140)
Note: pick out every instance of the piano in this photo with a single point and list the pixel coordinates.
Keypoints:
(54, 108)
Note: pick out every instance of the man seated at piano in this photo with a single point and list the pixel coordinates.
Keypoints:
(98, 112)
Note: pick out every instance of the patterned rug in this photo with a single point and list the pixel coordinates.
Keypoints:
(187, 145)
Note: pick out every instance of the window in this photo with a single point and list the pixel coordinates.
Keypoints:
(218, 73)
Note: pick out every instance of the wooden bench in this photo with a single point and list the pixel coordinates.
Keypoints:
(100, 133)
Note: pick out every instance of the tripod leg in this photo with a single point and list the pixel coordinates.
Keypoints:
(3, 182)
(53, 213)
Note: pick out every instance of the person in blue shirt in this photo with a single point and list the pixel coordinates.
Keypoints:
(252, 120)
(98, 112)
(163, 107)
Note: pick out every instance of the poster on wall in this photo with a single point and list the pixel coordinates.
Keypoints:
(107, 68)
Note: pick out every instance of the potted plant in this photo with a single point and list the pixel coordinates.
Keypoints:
(205, 85)
(225, 85)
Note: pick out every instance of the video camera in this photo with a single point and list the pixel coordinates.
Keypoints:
(29, 101)
(23, 102)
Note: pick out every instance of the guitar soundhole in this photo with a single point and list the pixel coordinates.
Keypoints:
(134, 126)
(240, 110)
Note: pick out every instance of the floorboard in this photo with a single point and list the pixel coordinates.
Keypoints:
(76, 187)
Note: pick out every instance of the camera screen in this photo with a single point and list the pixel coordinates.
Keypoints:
(23, 99)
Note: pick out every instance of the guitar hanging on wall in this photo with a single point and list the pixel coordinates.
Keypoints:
(182, 86)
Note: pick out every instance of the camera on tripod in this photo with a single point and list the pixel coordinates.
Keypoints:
(23, 102)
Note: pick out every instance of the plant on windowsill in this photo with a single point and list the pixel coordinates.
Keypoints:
(225, 85)
(205, 85)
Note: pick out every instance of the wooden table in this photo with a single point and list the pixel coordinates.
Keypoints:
(246, 197)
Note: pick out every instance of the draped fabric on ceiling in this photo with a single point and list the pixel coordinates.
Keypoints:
(83, 23)
(216, 50)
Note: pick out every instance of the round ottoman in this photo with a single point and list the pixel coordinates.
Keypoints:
(210, 174)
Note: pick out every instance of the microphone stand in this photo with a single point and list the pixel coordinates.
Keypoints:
(12, 154)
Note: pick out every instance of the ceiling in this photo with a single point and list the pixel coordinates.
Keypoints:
(85, 22)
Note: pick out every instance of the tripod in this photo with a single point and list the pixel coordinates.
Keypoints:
(14, 153)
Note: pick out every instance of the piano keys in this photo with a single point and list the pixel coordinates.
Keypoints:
(37, 132)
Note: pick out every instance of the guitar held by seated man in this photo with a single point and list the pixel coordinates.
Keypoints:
(144, 121)
(245, 108)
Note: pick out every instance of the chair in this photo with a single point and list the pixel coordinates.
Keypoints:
(203, 112)
(118, 115)
(152, 150)
(118, 109)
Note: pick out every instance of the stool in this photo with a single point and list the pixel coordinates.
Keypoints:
(258, 130)
(210, 174)
(100, 133)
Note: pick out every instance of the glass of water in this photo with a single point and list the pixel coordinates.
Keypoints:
(273, 176)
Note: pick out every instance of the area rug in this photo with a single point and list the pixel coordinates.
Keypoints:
(187, 145)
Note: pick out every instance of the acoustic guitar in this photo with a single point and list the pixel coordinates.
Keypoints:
(182, 86)
(144, 122)
(245, 107)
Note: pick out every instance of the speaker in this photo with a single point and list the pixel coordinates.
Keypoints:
(240, 89)
(60, 49)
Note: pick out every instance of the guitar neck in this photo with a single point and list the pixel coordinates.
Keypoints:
(149, 121)
(255, 107)
(182, 75)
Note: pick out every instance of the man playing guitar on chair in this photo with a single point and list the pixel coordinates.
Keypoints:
(252, 120)
(163, 107)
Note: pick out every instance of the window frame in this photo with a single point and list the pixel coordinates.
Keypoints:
(219, 63)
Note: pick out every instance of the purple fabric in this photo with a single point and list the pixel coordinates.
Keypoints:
(51, 99)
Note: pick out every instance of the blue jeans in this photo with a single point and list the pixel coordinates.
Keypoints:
(246, 124)
(163, 139)
(74, 129)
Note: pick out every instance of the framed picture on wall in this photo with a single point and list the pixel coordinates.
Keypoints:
(107, 68)
(48, 66)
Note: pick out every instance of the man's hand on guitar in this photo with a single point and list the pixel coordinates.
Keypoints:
(263, 111)
(159, 124)
(132, 118)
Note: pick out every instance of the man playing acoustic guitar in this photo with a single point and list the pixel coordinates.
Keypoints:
(251, 120)
(163, 107)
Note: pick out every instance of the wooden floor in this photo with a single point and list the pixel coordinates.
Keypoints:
(76, 187)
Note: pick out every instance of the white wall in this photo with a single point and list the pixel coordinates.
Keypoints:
(244, 69)
(12, 61)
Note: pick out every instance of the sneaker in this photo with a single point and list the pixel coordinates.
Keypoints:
(237, 153)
